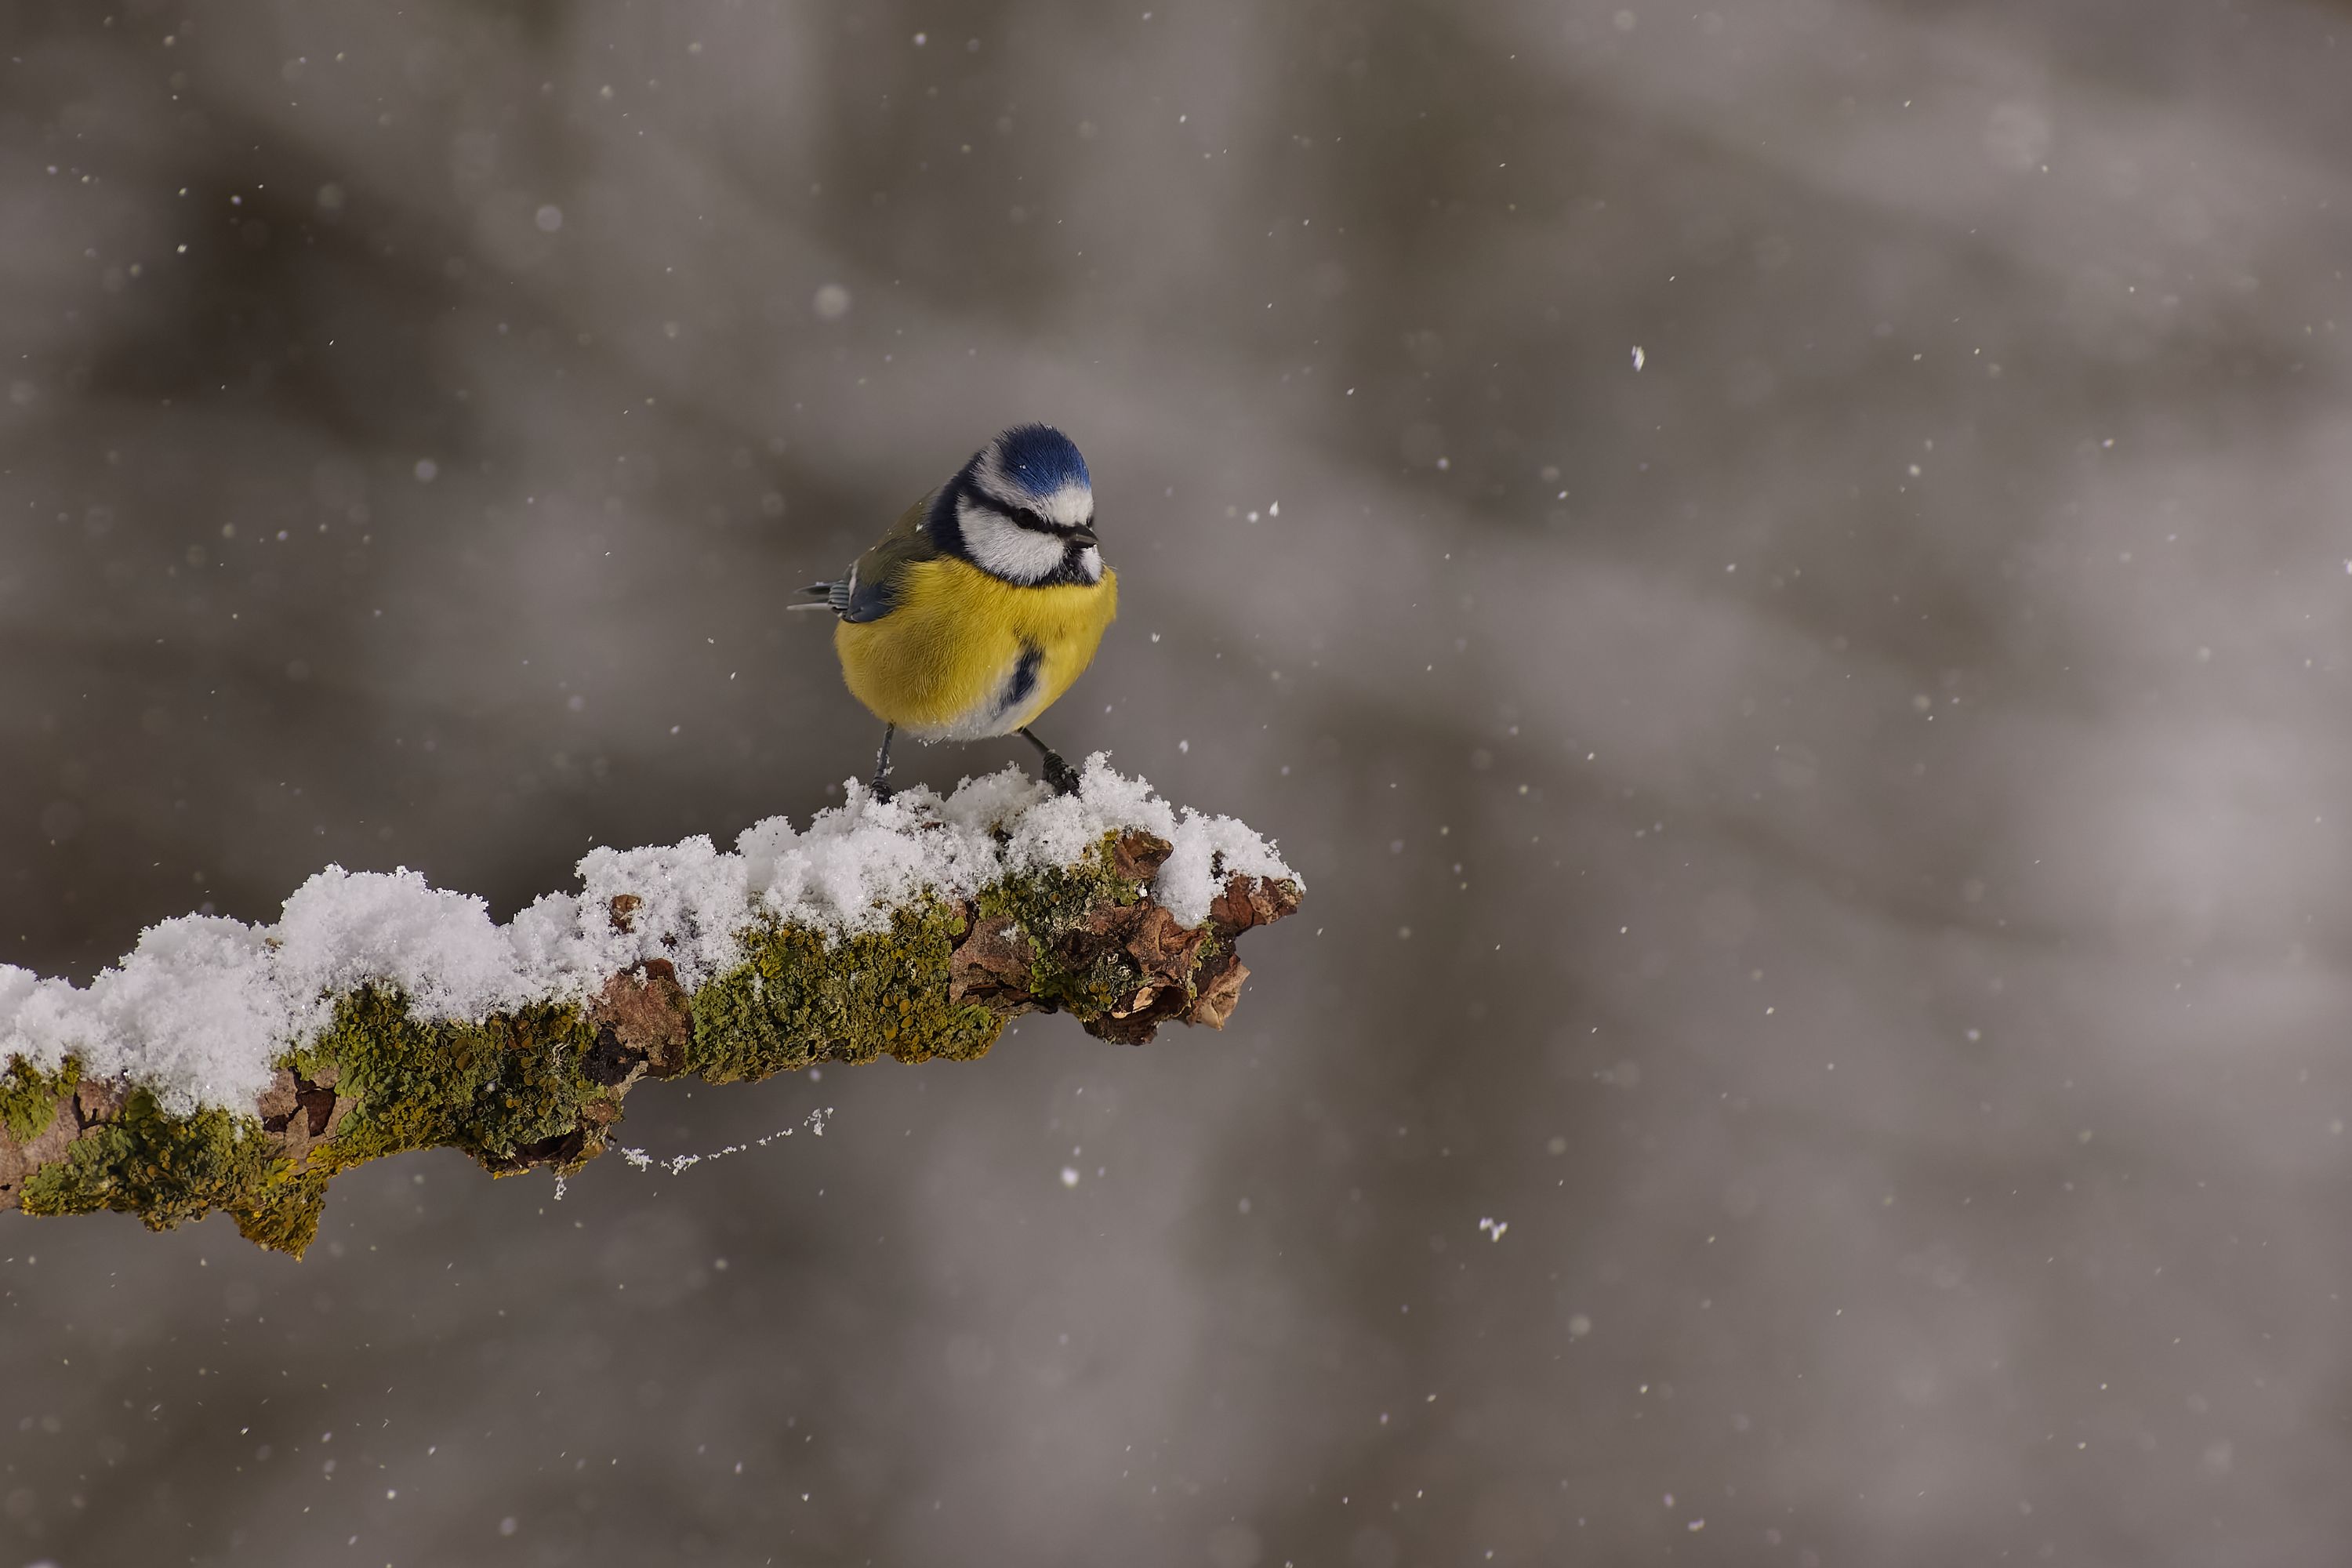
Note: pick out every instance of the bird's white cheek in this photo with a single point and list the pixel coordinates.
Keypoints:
(1000, 545)
(1090, 562)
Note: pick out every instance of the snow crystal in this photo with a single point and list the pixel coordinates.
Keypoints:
(342, 930)
(194, 1010)
(201, 1009)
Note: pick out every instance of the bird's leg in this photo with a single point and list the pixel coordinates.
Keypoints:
(882, 790)
(1059, 774)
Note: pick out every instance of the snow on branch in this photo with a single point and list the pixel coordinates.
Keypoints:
(234, 1067)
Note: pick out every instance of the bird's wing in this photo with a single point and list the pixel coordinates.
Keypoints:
(872, 588)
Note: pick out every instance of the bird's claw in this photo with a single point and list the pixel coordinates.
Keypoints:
(1059, 774)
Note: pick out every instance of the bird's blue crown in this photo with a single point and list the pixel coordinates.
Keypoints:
(1039, 460)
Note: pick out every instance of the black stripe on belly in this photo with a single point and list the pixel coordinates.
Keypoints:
(1021, 684)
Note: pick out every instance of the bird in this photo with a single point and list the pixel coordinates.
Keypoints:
(981, 604)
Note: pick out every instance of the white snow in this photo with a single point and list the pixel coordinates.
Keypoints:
(201, 1009)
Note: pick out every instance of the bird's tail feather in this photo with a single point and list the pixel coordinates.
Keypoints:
(822, 596)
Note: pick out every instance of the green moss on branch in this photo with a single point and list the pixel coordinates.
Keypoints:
(543, 1085)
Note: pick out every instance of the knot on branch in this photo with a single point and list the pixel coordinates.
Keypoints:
(302, 1113)
(644, 1023)
(991, 964)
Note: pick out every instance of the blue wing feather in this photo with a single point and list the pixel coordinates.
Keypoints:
(871, 589)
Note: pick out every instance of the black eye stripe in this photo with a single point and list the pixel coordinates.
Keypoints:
(972, 489)
(1027, 518)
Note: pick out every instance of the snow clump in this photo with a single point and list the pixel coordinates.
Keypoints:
(201, 1010)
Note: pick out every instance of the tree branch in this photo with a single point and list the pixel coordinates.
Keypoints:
(543, 1082)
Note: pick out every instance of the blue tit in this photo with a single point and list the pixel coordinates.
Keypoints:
(981, 607)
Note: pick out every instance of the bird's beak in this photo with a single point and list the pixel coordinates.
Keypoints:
(1084, 535)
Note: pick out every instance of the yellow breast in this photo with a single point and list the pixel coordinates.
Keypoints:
(965, 655)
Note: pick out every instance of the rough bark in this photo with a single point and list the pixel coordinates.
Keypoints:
(544, 1084)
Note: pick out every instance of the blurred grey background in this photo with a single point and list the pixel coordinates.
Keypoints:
(1784, 572)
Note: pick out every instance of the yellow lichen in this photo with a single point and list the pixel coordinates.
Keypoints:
(29, 1098)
